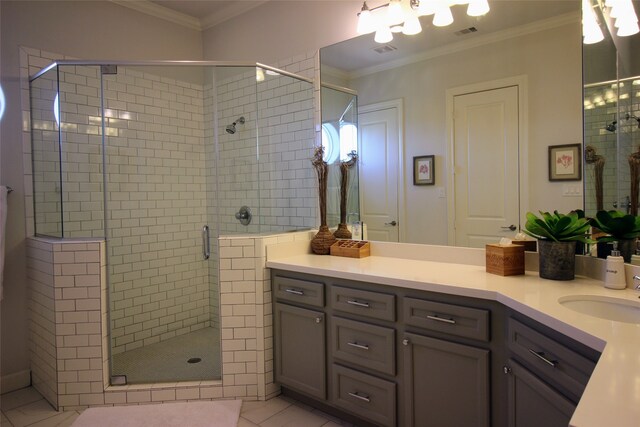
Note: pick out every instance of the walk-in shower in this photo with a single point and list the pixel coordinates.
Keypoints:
(141, 154)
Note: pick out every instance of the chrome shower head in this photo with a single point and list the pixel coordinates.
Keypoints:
(611, 127)
(231, 129)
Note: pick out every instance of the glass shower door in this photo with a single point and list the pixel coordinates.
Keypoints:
(161, 314)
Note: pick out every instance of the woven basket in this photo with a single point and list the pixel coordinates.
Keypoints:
(342, 232)
(321, 242)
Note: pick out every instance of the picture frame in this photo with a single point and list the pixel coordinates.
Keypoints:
(424, 170)
(565, 162)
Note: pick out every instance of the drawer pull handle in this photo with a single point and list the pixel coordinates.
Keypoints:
(406, 341)
(318, 319)
(540, 355)
(358, 303)
(360, 346)
(442, 319)
(363, 398)
(294, 291)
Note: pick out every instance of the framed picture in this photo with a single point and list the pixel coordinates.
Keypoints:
(424, 170)
(565, 162)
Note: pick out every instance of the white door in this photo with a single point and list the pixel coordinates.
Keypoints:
(378, 165)
(486, 163)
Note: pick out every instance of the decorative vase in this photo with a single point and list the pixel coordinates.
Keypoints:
(557, 260)
(343, 232)
(626, 247)
(323, 240)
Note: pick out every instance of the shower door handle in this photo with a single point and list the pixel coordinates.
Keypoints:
(206, 246)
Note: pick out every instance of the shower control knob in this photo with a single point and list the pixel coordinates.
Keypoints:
(244, 215)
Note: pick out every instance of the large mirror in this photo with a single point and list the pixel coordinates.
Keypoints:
(486, 97)
(612, 118)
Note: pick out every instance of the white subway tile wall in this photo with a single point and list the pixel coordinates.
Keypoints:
(69, 335)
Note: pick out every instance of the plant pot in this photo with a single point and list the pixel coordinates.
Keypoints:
(557, 259)
(626, 247)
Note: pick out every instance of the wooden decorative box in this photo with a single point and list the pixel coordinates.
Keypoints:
(351, 248)
(505, 260)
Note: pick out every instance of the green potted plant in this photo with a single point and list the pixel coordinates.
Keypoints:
(618, 227)
(557, 236)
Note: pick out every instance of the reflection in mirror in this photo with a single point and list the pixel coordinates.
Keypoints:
(339, 140)
(611, 111)
(407, 92)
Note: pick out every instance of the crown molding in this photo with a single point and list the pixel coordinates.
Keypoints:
(481, 40)
(161, 12)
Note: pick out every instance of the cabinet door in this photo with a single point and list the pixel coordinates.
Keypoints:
(447, 384)
(532, 403)
(300, 349)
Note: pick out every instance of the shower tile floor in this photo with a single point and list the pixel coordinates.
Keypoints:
(167, 361)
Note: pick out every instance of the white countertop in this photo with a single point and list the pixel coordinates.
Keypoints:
(612, 396)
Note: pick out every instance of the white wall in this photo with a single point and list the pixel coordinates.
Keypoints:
(87, 30)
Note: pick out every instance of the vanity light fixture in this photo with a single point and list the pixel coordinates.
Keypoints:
(591, 31)
(402, 16)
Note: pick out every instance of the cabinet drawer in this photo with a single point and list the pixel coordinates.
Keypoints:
(364, 303)
(364, 345)
(550, 359)
(299, 291)
(368, 397)
(447, 318)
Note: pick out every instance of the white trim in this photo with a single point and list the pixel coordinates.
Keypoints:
(480, 40)
(15, 381)
(398, 105)
(152, 9)
(521, 82)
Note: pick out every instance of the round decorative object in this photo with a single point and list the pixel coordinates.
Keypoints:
(342, 232)
(557, 260)
(322, 241)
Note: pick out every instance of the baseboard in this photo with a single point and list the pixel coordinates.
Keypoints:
(15, 381)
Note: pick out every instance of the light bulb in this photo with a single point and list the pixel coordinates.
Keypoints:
(443, 16)
(383, 35)
(366, 21)
(426, 7)
(478, 7)
(412, 26)
(628, 29)
(591, 31)
(395, 14)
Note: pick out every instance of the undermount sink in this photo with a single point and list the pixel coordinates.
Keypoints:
(617, 309)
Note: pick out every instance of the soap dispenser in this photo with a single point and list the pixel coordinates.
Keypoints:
(614, 277)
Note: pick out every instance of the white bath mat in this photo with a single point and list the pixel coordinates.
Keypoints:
(219, 413)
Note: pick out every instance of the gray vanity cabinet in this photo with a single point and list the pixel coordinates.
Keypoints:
(447, 384)
(533, 403)
(300, 336)
(546, 375)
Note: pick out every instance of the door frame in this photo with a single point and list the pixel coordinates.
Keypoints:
(521, 83)
(398, 105)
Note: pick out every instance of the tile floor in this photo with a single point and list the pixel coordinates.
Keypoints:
(26, 407)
